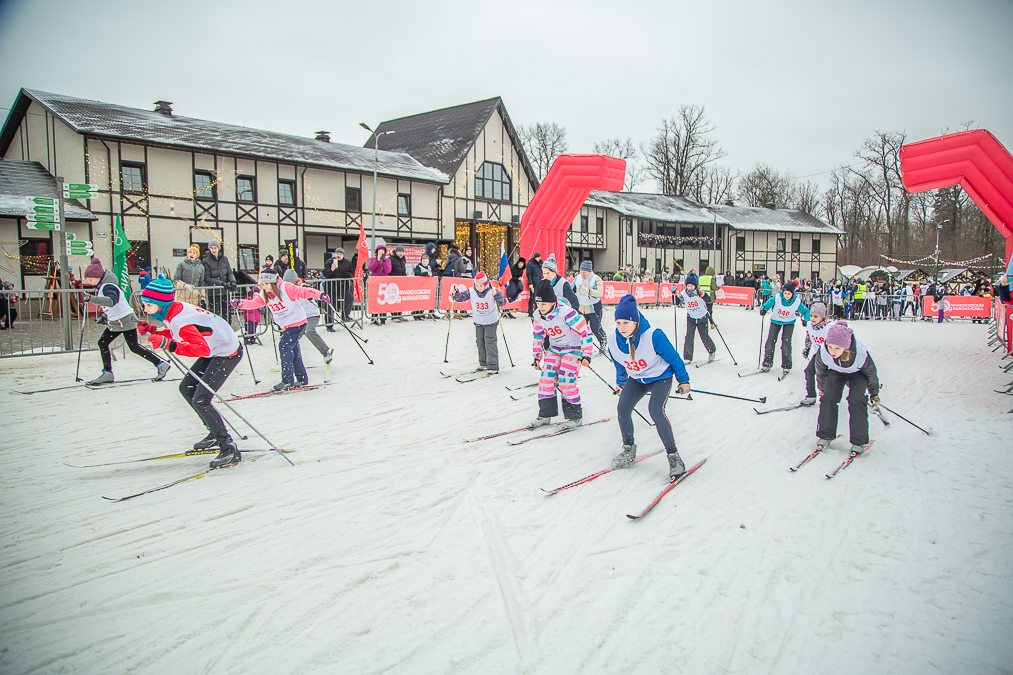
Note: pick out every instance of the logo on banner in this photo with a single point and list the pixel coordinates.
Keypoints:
(666, 292)
(610, 292)
(721, 293)
(638, 292)
(946, 306)
(388, 294)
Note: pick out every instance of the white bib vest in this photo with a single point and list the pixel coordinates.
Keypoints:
(560, 334)
(285, 310)
(120, 309)
(593, 281)
(557, 288)
(648, 363)
(309, 306)
(861, 354)
(838, 297)
(696, 306)
(484, 310)
(818, 336)
(222, 341)
(786, 313)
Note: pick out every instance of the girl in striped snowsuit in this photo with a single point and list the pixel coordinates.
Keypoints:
(561, 343)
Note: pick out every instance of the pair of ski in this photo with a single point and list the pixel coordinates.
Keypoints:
(480, 374)
(283, 391)
(94, 386)
(780, 377)
(844, 465)
(548, 434)
(653, 503)
(326, 366)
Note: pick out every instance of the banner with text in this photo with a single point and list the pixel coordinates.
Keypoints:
(401, 294)
(447, 290)
(615, 290)
(645, 293)
(734, 295)
(958, 305)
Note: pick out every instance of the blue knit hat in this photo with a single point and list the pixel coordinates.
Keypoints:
(159, 292)
(627, 309)
(692, 279)
(585, 265)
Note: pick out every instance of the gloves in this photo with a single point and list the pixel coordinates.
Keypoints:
(805, 353)
(326, 299)
(875, 401)
(762, 312)
(233, 286)
(534, 364)
(85, 297)
(145, 328)
(102, 320)
(585, 361)
(159, 341)
(804, 323)
(234, 303)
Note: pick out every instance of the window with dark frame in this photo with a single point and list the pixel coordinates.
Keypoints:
(599, 225)
(641, 226)
(353, 199)
(740, 244)
(657, 265)
(492, 182)
(286, 193)
(583, 223)
(629, 226)
(138, 257)
(404, 205)
(245, 189)
(643, 264)
(204, 186)
(704, 264)
(133, 177)
(816, 244)
(247, 256)
(35, 256)
(780, 245)
(815, 275)
(796, 245)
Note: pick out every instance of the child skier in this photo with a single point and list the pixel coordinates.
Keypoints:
(560, 286)
(485, 304)
(120, 320)
(698, 315)
(192, 331)
(282, 298)
(589, 289)
(785, 305)
(815, 337)
(843, 360)
(645, 362)
(563, 338)
(312, 311)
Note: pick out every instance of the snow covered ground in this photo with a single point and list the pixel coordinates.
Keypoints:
(392, 546)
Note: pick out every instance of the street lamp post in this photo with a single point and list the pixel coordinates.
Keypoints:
(376, 161)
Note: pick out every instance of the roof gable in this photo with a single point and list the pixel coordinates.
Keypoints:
(148, 127)
(20, 179)
(785, 220)
(442, 138)
(668, 208)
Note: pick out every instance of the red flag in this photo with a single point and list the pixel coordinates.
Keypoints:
(363, 250)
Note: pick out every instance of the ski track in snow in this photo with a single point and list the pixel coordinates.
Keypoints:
(393, 547)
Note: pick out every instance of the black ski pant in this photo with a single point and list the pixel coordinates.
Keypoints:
(786, 330)
(214, 370)
(130, 337)
(810, 376)
(594, 321)
(858, 407)
(632, 392)
(692, 327)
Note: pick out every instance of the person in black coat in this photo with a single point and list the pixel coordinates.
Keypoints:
(218, 273)
(434, 261)
(534, 273)
(515, 286)
(342, 293)
(398, 264)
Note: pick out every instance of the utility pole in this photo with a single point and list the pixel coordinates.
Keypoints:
(64, 276)
(376, 161)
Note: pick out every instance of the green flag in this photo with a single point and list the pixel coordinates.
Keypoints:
(120, 247)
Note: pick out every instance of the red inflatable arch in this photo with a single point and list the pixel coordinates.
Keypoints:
(976, 161)
(559, 198)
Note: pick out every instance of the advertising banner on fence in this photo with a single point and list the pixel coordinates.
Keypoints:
(958, 305)
(401, 294)
(735, 295)
(413, 254)
(446, 303)
(521, 303)
(669, 291)
(615, 290)
(645, 293)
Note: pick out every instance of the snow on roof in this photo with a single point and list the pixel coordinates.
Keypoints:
(20, 179)
(947, 275)
(145, 126)
(784, 220)
(667, 208)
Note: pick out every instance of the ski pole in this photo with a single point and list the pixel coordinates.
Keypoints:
(906, 420)
(759, 356)
(614, 392)
(450, 320)
(274, 343)
(182, 367)
(249, 359)
(83, 308)
(355, 339)
(726, 344)
(505, 344)
(762, 399)
(675, 322)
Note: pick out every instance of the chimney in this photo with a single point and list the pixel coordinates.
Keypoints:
(729, 202)
(769, 205)
(164, 108)
(324, 136)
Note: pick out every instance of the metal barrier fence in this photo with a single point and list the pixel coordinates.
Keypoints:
(33, 323)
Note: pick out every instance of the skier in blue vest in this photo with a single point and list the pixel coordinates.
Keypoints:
(785, 306)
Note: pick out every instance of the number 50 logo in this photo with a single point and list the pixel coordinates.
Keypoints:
(388, 294)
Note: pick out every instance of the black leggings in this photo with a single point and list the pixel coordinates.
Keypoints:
(130, 337)
(633, 391)
(214, 370)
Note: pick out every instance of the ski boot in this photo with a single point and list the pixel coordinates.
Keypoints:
(625, 458)
(105, 378)
(283, 386)
(764, 368)
(573, 414)
(675, 466)
(163, 368)
(228, 455)
(711, 357)
(300, 384)
(822, 443)
(481, 369)
(808, 401)
(206, 443)
(329, 355)
(540, 422)
(859, 449)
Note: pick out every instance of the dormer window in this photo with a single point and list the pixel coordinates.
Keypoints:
(492, 182)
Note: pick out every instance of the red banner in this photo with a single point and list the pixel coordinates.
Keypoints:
(735, 295)
(520, 303)
(645, 293)
(401, 294)
(615, 290)
(446, 302)
(669, 292)
(958, 305)
(413, 254)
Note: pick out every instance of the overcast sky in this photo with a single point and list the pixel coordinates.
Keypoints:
(796, 84)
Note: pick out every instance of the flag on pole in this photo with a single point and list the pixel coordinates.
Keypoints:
(120, 247)
(363, 250)
(503, 262)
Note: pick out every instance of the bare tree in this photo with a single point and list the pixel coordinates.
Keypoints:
(881, 173)
(678, 154)
(716, 185)
(807, 197)
(543, 142)
(625, 150)
(763, 185)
